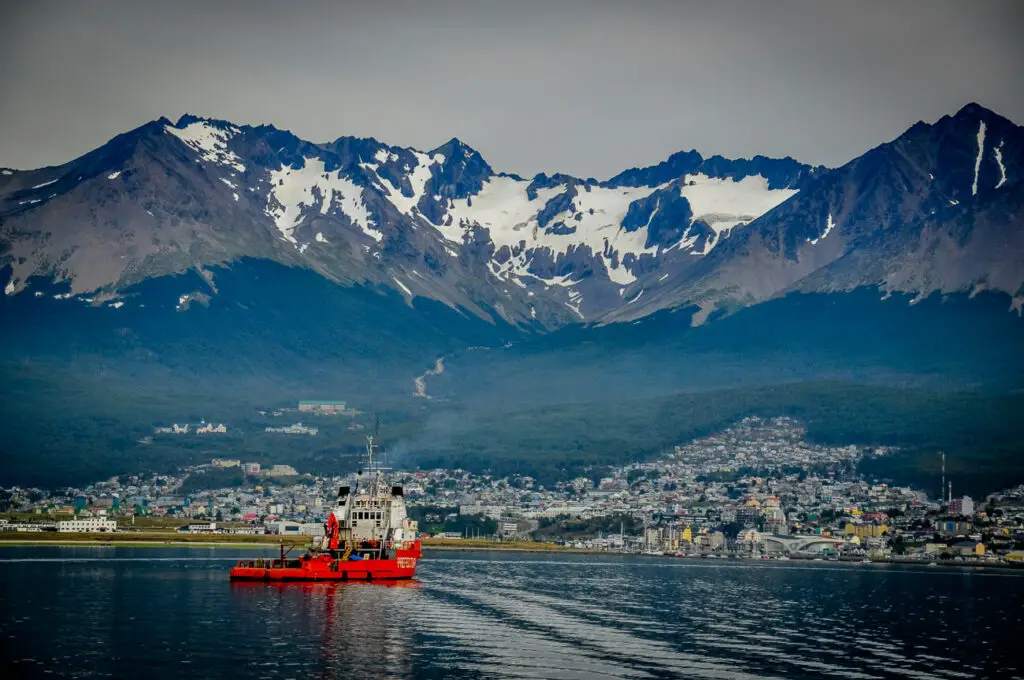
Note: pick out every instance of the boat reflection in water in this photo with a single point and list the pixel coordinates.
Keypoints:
(364, 628)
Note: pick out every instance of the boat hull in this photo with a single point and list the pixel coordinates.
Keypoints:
(323, 568)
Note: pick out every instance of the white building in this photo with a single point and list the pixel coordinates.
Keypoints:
(199, 528)
(494, 512)
(92, 524)
(281, 471)
(556, 510)
(509, 529)
(286, 528)
(297, 428)
(962, 506)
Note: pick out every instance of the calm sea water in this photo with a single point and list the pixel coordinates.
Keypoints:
(171, 613)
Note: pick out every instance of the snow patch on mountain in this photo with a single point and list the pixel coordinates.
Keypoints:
(292, 193)
(402, 286)
(210, 142)
(1002, 168)
(45, 184)
(114, 175)
(977, 161)
(723, 203)
(595, 215)
(9, 288)
(418, 178)
(565, 281)
(829, 226)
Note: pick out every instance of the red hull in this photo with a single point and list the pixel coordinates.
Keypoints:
(323, 568)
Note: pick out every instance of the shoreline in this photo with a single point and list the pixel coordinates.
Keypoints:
(170, 541)
(449, 546)
(136, 544)
(731, 559)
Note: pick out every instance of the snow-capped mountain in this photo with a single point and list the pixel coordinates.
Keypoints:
(206, 265)
(936, 209)
(440, 224)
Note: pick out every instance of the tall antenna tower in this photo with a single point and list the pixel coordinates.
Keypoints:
(949, 498)
(943, 487)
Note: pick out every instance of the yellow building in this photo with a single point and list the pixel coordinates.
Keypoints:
(687, 536)
(866, 530)
(969, 548)
(1015, 556)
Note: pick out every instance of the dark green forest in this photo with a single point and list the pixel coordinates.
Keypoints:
(981, 434)
(84, 387)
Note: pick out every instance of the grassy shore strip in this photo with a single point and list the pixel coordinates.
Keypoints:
(148, 538)
(129, 544)
(168, 538)
(483, 544)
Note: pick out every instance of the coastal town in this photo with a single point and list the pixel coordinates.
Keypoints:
(758, 489)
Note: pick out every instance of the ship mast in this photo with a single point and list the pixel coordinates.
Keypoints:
(376, 484)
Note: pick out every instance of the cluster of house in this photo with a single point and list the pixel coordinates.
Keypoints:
(202, 427)
(756, 487)
(276, 470)
(322, 408)
(318, 408)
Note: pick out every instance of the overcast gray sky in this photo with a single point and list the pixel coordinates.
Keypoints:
(588, 88)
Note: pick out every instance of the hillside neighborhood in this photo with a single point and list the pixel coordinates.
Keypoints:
(755, 489)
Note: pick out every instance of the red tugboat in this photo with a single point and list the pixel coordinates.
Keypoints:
(367, 537)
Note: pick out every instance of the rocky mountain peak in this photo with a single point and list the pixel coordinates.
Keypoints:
(550, 250)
